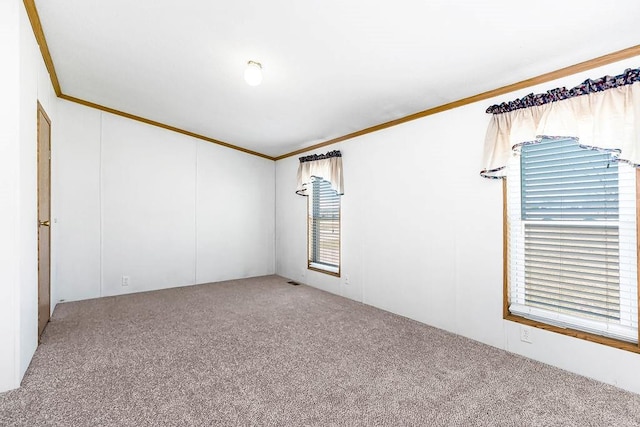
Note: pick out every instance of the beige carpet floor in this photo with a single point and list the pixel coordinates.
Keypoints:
(261, 352)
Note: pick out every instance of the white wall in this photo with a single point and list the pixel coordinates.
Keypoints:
(9, 202)
(23, 81)
(159, 207)
(235, 215)
(422, 235)
(75, 202)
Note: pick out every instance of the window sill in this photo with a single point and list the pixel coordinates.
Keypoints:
(611, 342)
(332, 271)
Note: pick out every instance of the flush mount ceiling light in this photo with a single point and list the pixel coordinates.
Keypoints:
(253, 73)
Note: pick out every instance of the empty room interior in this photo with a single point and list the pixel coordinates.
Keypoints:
(319, 213)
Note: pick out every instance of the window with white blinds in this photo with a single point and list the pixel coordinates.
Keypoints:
(324, 227)
(572, 239)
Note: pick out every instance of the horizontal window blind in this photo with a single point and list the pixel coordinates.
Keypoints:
(324, 225)
(572, 239)
(562, 181)
(573, 269)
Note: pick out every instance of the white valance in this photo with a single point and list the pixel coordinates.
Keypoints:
(326, 166)
(608, 120)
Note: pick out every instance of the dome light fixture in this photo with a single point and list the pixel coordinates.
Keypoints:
(253, 73)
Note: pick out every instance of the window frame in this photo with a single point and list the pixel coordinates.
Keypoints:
(313, 265)
(507, 315)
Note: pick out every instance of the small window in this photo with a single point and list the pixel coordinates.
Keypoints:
(324, 228)
(571, 215)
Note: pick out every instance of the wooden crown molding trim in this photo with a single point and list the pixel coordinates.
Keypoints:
(36, 26)
(161, 125)
(543, 78)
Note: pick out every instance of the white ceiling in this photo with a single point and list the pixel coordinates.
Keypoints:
(331, 67)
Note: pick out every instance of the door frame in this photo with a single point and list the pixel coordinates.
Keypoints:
(41, 113)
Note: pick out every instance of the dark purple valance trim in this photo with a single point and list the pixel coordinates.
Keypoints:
(630, 76)
(313, 157)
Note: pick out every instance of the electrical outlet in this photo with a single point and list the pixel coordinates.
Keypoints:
(525, 334)
(125, 280)
(346, 280)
